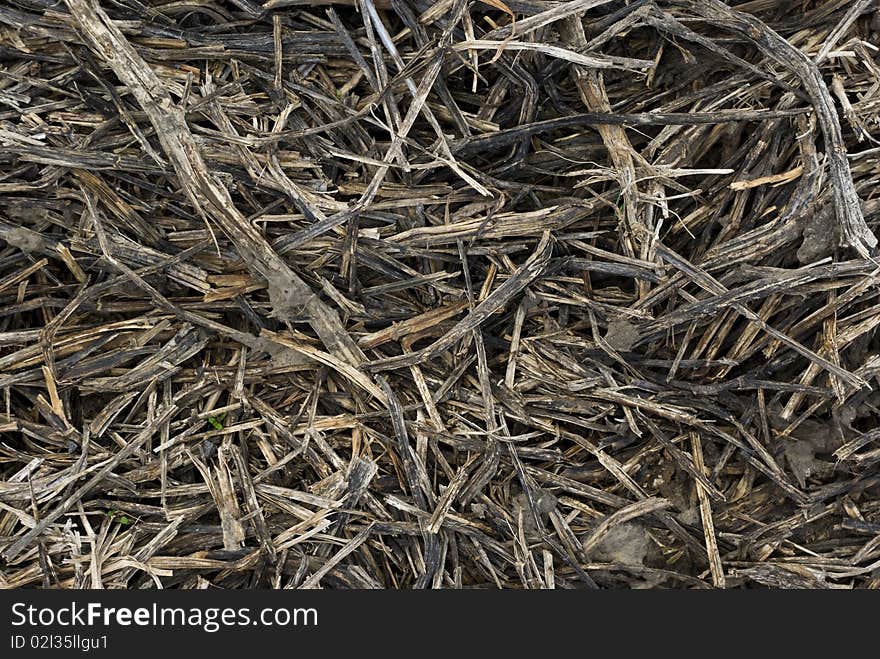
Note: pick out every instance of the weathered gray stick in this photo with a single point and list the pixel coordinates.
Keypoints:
(288, 293)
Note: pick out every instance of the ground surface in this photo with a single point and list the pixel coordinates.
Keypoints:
(439, 294)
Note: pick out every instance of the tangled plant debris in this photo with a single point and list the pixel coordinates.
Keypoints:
(457, 294)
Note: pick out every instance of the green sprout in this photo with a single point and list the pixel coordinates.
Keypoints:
(120, 517)
(217, 421)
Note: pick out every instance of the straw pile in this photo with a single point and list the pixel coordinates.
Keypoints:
(457, 294)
